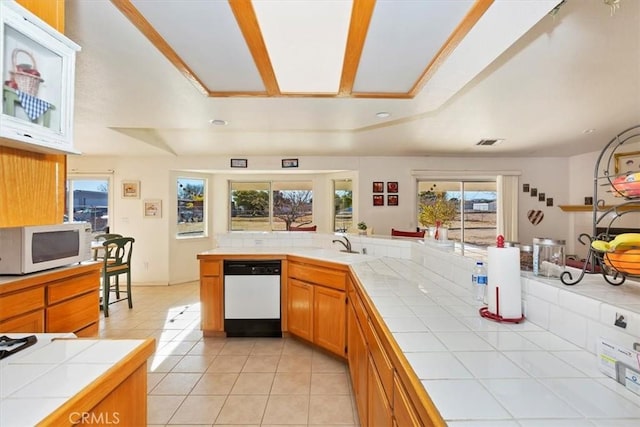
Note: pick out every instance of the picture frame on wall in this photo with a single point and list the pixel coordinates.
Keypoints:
(392, 187)
(627, 162)
(534, 192)
(130, 189)
(378, 200)
(392, 200)
(525, 188)
(541, 197)
(378, 187)
(550, 201)
(152, 208)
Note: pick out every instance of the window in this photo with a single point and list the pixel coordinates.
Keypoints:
(191, 203)
(475, 222)
(343, 205)
(270, 206)
(87, 199)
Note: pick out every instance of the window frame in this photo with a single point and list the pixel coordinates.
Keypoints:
(69, 197)
(205, 211)
(270, 184)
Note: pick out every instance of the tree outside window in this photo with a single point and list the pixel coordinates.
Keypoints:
(270, 206)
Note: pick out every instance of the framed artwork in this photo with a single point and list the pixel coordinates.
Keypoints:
(525, 188)
(378, 200)
(550, 201)
(378, 187)
(130, 189)
(627, 162)
(289, 163)
(534, 192)
(541, 197)
(392, 200)
(238, 163)
(392, 187)
(153, 208)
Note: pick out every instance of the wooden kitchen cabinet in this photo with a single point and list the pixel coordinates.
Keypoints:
(211, 297)
(329, 319)
(43, 55)
(60, 300)
(379, 411)
(31, 322)
(358, 357)
(316, 307)
(300, 309)
(387, 391)
(22, 309)
(404, 414)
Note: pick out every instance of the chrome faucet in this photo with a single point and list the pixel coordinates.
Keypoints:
(346, 243)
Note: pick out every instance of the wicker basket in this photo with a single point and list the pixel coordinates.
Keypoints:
(27, 82)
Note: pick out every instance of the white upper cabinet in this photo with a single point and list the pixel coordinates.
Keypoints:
(38, 75)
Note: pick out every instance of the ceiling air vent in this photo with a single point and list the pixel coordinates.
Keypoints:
(489, 142)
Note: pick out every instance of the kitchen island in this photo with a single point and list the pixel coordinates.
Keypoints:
(62, 380)
(420, 354)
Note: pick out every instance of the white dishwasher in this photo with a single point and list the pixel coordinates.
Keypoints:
(252, 298)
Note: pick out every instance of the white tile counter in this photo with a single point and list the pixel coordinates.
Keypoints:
(483, 373)
(509, 374)
(37, 380)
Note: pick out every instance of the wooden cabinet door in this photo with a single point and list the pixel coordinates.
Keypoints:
(403, 411)
(329, 319)
(358, 359)
(300, 309)
(379, 410)
(212, 297)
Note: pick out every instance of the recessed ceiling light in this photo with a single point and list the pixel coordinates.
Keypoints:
(218, 122)
(383, 115)
(588, 131)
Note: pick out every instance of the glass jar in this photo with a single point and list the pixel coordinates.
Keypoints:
(526, 257)
(548, 257)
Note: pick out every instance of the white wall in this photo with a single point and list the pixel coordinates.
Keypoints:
(159, 258)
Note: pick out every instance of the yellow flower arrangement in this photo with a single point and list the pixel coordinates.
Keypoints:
(441, 210)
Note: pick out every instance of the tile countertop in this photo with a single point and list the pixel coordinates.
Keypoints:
(509, 374)
(37, 380)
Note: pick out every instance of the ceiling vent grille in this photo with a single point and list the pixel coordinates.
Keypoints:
(488, 142)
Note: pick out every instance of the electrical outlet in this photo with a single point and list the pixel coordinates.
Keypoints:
(621, 321)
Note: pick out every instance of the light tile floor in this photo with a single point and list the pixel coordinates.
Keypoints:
(228, 381)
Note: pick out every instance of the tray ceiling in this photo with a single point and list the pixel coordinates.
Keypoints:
(309, 81)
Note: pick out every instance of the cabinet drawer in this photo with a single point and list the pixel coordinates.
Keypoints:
(318, 275)
(21, 302)
(32, 322)
(72, 286)
(210, 268)
(382, 362)
(74, 314)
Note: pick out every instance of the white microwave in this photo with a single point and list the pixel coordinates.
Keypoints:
(33, 248)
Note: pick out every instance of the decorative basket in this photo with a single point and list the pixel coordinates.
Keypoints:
(26, 76)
